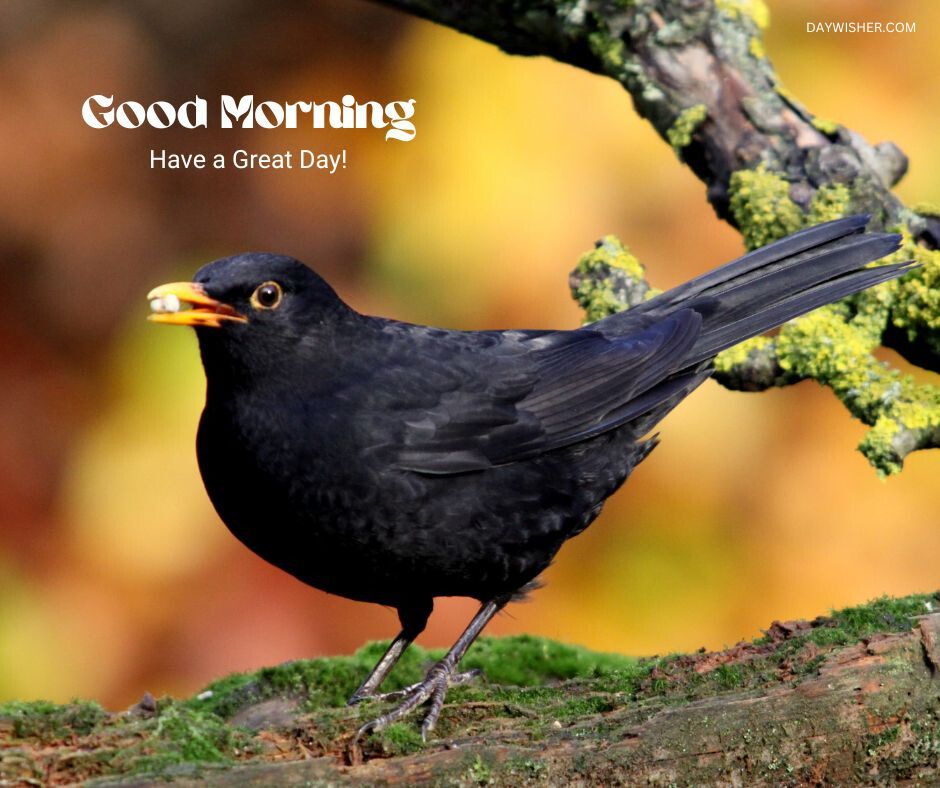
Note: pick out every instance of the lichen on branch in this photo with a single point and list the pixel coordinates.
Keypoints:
(833, 345)
(608, 279)
(700, 73)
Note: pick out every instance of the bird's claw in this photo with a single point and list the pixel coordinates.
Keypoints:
(432, 690)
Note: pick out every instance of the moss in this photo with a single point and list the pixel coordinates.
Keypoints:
(885, 614)
(583, 707)
(755, 10)
(926, 209)
(315, 683)
(729, 676)
(191, 736)
(479, 772)
(761, 205)
(399, 738)
(51, 721)
(526, 768)
(609, 279)
(831, 201)
(527, 661)
(681, 131)
(826, 126)
(520, 661)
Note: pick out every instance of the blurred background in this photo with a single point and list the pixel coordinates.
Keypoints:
(115, 574)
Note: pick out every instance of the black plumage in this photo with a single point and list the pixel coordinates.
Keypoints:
(394, 463)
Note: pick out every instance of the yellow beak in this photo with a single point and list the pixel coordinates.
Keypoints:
(166, 300)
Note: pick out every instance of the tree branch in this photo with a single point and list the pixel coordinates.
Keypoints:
(698, 71)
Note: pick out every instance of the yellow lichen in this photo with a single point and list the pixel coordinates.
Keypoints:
(727, 360)
(761, 205)
(680, 133)
(756, 10)
(832, 345)
(608, 279)
(756, 47)
(830, 202)
(609, 49)
(836, 352)
(917, 305)
(825, 125)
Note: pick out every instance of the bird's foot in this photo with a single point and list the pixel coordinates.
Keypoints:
(431, 690)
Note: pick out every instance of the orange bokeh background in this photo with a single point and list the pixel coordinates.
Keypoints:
(115, 574)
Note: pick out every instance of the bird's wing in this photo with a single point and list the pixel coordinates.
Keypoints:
(566, 387)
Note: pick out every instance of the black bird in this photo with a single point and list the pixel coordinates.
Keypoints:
(394, 463)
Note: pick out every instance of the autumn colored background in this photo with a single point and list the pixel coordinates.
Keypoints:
(115, 574)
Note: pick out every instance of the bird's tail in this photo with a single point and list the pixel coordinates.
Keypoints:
(776, 283)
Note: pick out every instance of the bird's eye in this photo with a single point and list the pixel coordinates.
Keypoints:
(267, 296)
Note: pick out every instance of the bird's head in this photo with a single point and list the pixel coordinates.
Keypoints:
(249, 307)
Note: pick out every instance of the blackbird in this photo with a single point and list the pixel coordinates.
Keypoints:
(394, 463)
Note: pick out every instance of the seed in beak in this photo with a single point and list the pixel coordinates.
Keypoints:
(164, 304)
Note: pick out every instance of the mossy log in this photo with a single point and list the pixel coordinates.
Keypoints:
(849, 698)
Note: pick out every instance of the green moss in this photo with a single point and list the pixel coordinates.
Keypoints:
(681, 131)
(191, 736)
(609, 279)
(399, 738)
(480, 772)
(829, 636)
(51, 721)
(761, 205)
(885, 614)
(729, 676)
(583, 707)
(520, 661)
(314, 683)
(826, 126)
(528, 661)
(526, 768)
(926, 209)
(831, 201)
(755, 10)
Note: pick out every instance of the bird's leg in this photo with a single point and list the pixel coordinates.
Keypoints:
(414, 617)
(439, 678)
(382, 668)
